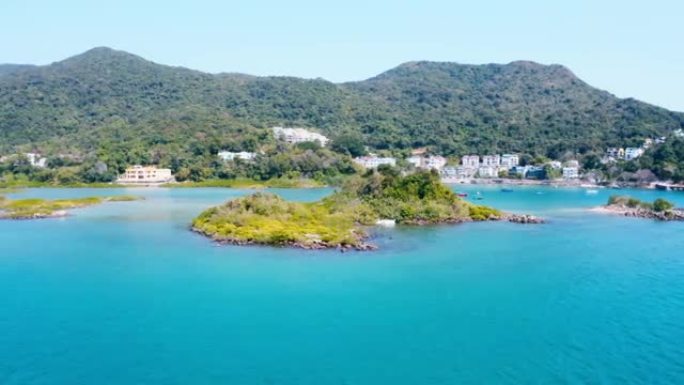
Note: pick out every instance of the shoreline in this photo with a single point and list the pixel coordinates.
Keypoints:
(665, 216)
(551, 183)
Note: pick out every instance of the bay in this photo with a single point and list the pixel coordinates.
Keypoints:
(123, 293)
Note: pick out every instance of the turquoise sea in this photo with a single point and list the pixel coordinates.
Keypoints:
(123, 293)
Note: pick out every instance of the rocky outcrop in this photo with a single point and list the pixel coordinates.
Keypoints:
(524, 219)
(670, 215)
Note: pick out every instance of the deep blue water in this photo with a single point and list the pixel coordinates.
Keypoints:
(122, 293)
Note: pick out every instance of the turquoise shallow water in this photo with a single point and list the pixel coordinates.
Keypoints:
(123, 294)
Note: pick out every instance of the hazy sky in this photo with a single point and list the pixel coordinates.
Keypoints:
(630, 48)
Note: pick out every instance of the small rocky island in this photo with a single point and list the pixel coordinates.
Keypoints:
(42, 208)
(338, 221)
(660, 209)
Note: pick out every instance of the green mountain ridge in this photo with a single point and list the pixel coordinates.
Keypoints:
(105, 97)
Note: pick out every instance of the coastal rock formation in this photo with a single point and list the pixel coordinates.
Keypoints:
(660, 209)
(525, 219)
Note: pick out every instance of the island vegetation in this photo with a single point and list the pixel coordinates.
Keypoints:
(659, 209)
(42, 208)
(340, 220)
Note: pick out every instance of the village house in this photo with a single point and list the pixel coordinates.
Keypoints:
(36, 160)
(430, 162)
(299, 135)
(570, 172)
(243, 155)
(434, 162)
(460, 172)
(373, 161)
(572, 163)
(615, 153)
(632, 153)
(145, 174)
(415, 160)
(491, 160)
(556, 165)
(518, 171)
(509, 160)
(678, 133)
(488, 171)
(535, 172)
(472, 161)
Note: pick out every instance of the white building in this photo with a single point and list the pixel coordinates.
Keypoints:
(460, 172)
(491, 160)
(556, 165)
(488, 171)
(374, 161)
(678, 133)
(36, 160)
(229, 155)
(430, 162)
(448, 172)
(145, 174)
(299, 135)
(472, 161)
(570, 173)
(509, 160)
(415, 160)
(572, 163)
(616, 153)
(434, 162)
(633, 153)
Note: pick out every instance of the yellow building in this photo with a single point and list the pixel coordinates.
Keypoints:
(146, 174)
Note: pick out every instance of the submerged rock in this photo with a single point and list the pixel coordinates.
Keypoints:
(525, 219)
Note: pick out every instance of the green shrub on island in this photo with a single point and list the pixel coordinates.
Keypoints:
(265, 218)
(335, 221)
(659, 205)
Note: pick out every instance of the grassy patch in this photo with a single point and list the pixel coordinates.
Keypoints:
(41, 208)
(265, 218)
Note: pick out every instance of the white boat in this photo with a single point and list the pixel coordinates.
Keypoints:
(592, 191)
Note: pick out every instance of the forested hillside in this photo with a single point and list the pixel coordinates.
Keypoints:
(123, 107)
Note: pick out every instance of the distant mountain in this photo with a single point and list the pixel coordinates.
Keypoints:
(105, 97)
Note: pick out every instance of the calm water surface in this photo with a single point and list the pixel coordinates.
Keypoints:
(122, 293)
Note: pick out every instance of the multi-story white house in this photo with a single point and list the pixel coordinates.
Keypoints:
(572, 163)
(633, 152)
(434, 162)
(491, 160)
(229, 155)
(299, 135)
(145, 174)
(615, 153)
(460, 172)
(570, 172)
(556, 165)
(374, 161)
(678, 133)
(36, 160)
(471, 161)
(415, 160)
(429, 162)
(488, 171)
(509, 160)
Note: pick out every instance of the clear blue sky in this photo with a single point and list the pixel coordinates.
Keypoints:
(630, 48)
